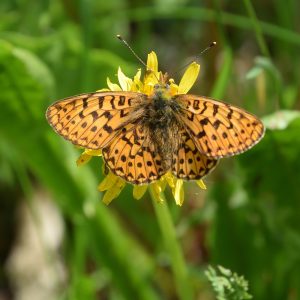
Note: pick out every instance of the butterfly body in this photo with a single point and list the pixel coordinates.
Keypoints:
(143, 137)
(161, 124)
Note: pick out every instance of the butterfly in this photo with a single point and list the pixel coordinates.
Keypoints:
(142, 137)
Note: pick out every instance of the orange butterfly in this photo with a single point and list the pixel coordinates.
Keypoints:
(143, 137)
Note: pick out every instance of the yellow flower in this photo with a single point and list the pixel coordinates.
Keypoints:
(112, 184)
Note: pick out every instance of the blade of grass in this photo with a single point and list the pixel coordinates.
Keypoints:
(225, 72)
(257, 28)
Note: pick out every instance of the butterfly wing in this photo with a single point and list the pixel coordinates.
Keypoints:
(188, 163)
(133, 157)
(218, 129)
(92, 120)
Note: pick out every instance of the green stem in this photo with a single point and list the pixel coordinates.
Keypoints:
(258, 31)
(168, 231)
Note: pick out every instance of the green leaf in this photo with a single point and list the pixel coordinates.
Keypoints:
(227, 285)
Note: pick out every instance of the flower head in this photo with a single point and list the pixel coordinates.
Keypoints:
(112, 184)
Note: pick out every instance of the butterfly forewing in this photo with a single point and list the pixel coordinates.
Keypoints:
(92, 120)
(218, 129)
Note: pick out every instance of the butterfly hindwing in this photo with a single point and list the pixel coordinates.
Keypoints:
(218, 129)
(188, 163)
(92, 120)
(133, 157)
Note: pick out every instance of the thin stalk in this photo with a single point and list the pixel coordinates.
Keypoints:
(223, 75)
(168, 231)
(258, 30)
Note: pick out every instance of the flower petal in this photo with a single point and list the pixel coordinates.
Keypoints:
(178, 192)
(137, 85)
(112, 86)
(83, 159)
(150, 80)
(114, 191)
(173, 87)
(137, 76)
(125, 82)
(201, 184)
(157, 189)
(107, 182)
(189, 77)
(139, 191)
(170, 179)
(152, 63)
(93, 152)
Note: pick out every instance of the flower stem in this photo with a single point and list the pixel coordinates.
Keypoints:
(168, 231)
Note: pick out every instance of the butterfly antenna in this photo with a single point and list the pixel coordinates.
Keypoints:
(132, 51)
(198, 56)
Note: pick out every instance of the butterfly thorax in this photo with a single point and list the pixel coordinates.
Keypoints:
(160, 108)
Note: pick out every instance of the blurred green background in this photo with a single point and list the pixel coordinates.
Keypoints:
(57, 239)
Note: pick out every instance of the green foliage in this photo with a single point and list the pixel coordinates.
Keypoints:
(248, 220)
(227, 285)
